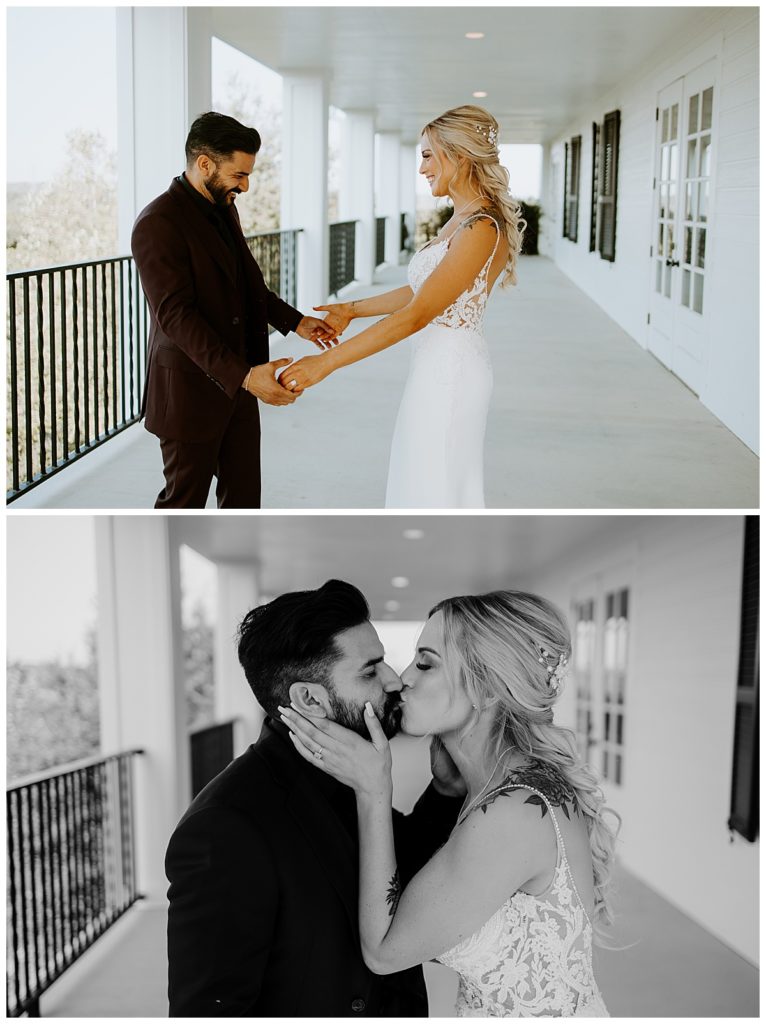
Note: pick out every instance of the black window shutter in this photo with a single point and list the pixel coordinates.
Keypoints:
(566, 187)
(575, 148)
(744, 783)
(594, 187)
(610, 145)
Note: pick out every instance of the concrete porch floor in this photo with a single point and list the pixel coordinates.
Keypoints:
(672, 968)
(581, 417)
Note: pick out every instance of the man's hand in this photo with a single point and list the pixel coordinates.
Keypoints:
(446, 778)
(260, 381)
(322, 334)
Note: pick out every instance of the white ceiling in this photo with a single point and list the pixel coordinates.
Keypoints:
(538, 65)
(457, 555)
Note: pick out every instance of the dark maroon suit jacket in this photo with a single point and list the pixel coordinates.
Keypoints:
(198, 352)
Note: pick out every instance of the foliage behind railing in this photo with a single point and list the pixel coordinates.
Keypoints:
(71, 869)
(77, 344)
(77, 340)
(342, 254)
(380, 240)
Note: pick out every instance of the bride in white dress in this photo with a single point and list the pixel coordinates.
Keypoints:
(437, 451)
(512, 900)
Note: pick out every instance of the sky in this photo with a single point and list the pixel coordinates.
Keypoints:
(51, 586)
(79, 90)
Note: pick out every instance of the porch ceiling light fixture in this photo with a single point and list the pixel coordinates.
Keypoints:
(400, 582)
(474, 35)
(392, 606)
(413, 534)
(479, 95)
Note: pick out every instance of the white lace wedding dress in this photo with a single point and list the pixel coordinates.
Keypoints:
(437, 451)
(533, 957)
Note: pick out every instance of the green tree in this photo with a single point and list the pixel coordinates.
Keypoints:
(71, 218)
(259, 210)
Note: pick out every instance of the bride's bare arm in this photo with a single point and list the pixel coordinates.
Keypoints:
(456, 273)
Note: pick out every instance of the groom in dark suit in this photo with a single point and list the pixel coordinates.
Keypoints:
(263, 866)
(208, 359)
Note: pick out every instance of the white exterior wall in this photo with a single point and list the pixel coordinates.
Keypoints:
(685, 576)
(730, 374)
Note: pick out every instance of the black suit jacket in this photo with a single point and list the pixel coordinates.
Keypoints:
(263, 872)
(200, 295)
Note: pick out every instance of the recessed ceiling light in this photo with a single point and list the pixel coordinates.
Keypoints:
(413, 534)
(399, 582)
(392, 606)
(480, 95)
(474, 35)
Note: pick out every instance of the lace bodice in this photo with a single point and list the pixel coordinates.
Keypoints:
(467, 311)
(532, 958)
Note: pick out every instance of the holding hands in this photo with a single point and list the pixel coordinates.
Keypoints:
(339, 315)
(340, 752)
(322, 333)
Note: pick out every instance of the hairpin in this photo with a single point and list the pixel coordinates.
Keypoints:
(556, 670)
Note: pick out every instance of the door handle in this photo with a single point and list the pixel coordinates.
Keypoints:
(672, 263)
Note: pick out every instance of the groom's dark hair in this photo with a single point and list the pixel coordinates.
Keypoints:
(218, 136)
(292, 639)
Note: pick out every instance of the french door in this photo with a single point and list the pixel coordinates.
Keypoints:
(684, 142)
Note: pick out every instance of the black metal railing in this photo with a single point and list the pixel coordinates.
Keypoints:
(276, 253)
(71, 869)
(342, 254)
(212, 748)
(380, 240)
(77, 338)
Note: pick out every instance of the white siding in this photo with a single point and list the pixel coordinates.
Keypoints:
(685, 577)
(730, 375)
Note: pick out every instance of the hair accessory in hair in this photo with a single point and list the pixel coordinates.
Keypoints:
(556, 670)
(490, 134)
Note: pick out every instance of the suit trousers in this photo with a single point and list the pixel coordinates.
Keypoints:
(234, 458)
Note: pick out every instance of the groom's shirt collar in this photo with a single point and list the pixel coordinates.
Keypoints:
(341, 798)
(219, 216)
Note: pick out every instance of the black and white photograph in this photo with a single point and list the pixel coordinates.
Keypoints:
(392, 766)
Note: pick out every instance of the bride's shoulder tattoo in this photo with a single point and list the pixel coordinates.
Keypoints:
(394, 893)
(543, 777)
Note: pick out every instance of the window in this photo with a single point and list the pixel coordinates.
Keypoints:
(599, 669)
(696, 197)
(604, 218)
(596, 138)
(744, 786)
(571, 187)
(584, 665)
(615, 649)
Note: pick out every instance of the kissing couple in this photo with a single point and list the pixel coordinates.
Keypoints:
(210, 309)
(297, 891)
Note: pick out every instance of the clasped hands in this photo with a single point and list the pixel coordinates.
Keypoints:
(260, 380)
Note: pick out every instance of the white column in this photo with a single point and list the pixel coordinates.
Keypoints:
(141, 682)
(408, 169)
(389, 204)
(305, 112)
(164, 82)
(237, 594)
(357, 195)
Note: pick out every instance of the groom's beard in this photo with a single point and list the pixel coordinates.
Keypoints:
(352, 717)
(218, 190)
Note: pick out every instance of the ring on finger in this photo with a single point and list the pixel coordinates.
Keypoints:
(318, 753)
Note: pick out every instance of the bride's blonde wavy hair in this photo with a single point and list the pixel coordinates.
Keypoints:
(469, 134)
(492, 647)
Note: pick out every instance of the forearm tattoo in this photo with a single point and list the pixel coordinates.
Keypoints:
(544, 777)
(394, 893)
